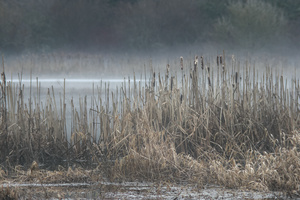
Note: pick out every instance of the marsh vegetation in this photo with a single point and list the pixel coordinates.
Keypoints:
(202, 121)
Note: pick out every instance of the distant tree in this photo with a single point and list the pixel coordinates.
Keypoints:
(50, 24)
(291, 9)
(23, 24)
(11, 27)
(79, 22)
(251, 23)
(156, 23)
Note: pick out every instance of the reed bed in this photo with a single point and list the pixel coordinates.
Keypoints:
(214, 121)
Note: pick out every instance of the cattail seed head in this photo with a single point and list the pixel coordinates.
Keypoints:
(181, 62)
(168, 69)
(153, 80)
(202, 65)
(34, 166)
(195, 63)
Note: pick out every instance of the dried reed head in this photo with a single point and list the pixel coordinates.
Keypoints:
(168, 70)
(34, 166)
(195, 63)
(181, 62)
(232, 58)
(153, 80)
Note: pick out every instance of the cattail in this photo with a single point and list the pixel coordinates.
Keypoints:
(195, 63)
(218, 61)
(181, 62)
(221, 63)
(202, 65)
(208, 78)
(168, 69)
(34, 166)
(153, 81)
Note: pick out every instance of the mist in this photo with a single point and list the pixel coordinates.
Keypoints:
(109, 40)
(148, 27)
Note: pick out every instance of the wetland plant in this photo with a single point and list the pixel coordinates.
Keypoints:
(222, 123)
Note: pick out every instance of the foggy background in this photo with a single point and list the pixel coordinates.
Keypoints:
(100, 38)
(148, 25)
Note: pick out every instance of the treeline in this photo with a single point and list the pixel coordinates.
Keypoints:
(146, 24)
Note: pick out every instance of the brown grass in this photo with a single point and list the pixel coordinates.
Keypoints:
(8, 193)
(215, 123)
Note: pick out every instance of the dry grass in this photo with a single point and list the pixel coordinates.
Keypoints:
(8, 194)
(61, 175)
(216, 122)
